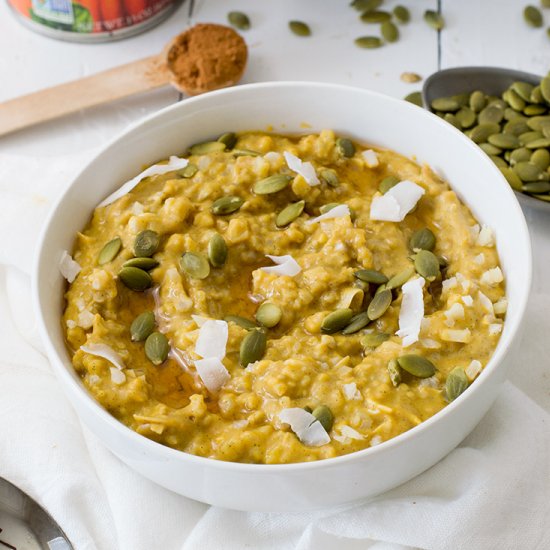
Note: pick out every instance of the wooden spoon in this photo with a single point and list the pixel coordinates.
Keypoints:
(191, 62)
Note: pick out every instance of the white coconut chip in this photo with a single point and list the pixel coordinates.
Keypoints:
(286, 265)
(460, 336)
(308, 429)
(105, 351)
(117, 376)
(473, 369)
(348, 431)
(486, 303)
(174, 163)
(468, 300)
(397, 202)
(68, 267)
(501, 306)
(272, 157)
(212, 373)
(495, 328)
(371, 159)
(350, 391)
(486, 236)
(212, 339)
(454, 313)
(200, 320)
(337, 212)
(492, 276)
(411, 312)
(480, 259)
(375, 440)
(448, 284)
(305, 169)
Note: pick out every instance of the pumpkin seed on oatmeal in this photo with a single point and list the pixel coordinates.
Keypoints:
(241, 293)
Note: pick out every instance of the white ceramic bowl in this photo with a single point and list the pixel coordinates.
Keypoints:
(286, 106)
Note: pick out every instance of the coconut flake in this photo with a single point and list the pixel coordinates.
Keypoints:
(468, 300)
(68, 267)
(486, 303)
(375, 440)
(305, 169)
(286, 265)
(486, 236)
(86, 319)
(397, 202)
(105, 351)
(499, 307)
(371, 159)
(174, 163)
(411, 312)
(495, 328)
(448, 284)
(212, 339)
(455, 312)
(308, 429)
(348, 431)
(429, 343)
(479, 259)
(117, 376)
(212, 373)
(492, 276)
(272, 157)
(460, 336)
(200, 320)
(473, 369)
(351, 391)
(337, 212)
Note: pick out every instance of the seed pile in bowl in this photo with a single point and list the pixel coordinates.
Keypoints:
(514, 130)
(273, 299)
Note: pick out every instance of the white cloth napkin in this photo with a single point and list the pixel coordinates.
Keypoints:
(493, 491)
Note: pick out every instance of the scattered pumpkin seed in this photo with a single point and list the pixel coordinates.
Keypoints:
(410, 78)
(371, 276)
(109, 251)
(239, 20)
(451, 119)
(146, 243)
(135, 278)
(512, 178)
(490, 149)
(252, 347)
(142, 326)
(357, 322)
(402, 14)
(538, 143)
(400, 278)
(299, 28)
(456, 383)
(142, 263)
(532, 16)
(541, 157)
(416, 365)
(415, 98)
(514, 100)
(375, 16)
(288, 214)
(379, 304)
(157, 348)
(366, 5)
(244, 153)
(329, 176)
(466, 117)
(423, 239)
(189, 171)
(272, 184)
(536, 187)
(534, 110)
(390, 32)
(387, 183)
(536, 95)
(368, 42)
(516, 127)
(230, 140)
(269, 315)
(207, 147)
(324, 415)
(434, 20)
(498, 161)
(226, 205)
(492, 114)
(445, 104)
(427, 265)
(528, 137)
(519, 155)
(243, 322)
(504, 141)
(374, 339)
(477, 101)
(217, 250)
(481, 132)
(337, 320)
(523, 89)
(195, 265)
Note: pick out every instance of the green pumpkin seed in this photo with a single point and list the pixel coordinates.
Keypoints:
(514, 100)
(345, 147)
(545, 128)
(456, 383)
(226, 205)
(243, 322)
(537, 122)
(329, 176)
(481, 132)
(389, 31)
(387, 183)
(445, 104)
(109, 251)
(498, 102)
(135, 278)
(272, 184)
(516, 127)
(375, 16)
(402, 14)
(538, 143)
(536, 95)
(368, 43)
(252, 347)
(324, 415)
(416, 365)
(374, 339)
(400, 278)
(357, 322)
(217, 250)
(269, 315)
(207, 147)
(541, 157)
(195, 265)
(230, 140)
(510, 114)
(142, 326)
(536, 187)
(337, 320)
(157, 348)
(244, 153)
(371, 276)
(498, 161)
(394, 371)
(415, 98)
(534, 110)
(189, 171)
(489, 149)
(288, 214)
(366, 5)
(512, 178)
(523, 89)
(299, 28)
(491, 115)
(142, 263)
(451, 119)
(466, 117)
(532, 16)
(477, 101)
(504, 141)
(427, 265)
(528, 137)
(239, 20)
(146, 243)
(423, 239)
(527, 171)
(462, 99)
(379, 304)
(520, 155)
(434, 20)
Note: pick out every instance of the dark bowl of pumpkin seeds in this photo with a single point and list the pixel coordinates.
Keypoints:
(507, 113)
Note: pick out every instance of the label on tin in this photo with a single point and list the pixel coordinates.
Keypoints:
(60, 11)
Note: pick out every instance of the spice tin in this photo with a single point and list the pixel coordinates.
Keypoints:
(91, 20)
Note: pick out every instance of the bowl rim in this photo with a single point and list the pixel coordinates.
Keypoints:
(160, 451)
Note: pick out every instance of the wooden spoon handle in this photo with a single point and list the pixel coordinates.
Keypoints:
(124, 80)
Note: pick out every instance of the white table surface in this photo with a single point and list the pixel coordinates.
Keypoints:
(488, 32)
